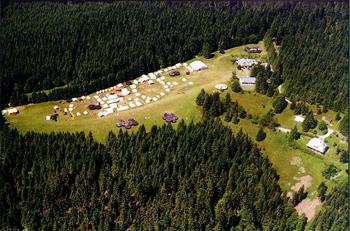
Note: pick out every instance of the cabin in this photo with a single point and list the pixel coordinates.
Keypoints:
(247, 81)
(318, 145)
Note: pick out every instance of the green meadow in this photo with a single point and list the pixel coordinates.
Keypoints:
(181, 101)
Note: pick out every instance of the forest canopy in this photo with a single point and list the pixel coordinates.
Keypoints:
(86, 47)
(193, 178)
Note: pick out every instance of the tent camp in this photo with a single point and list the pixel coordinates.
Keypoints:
(198, 65)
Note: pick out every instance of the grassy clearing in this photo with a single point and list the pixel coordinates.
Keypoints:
(181, 101)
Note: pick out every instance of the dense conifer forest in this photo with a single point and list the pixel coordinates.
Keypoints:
(94, 45)
(196, 177)
(334, 215)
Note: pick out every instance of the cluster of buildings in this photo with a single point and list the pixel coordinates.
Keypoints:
(245, 63)
(253, 50)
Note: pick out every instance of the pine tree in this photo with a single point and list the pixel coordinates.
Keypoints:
(294, 134)
(321, 191)
(261, 135)
(201, 97)
(309, 122)
(279, 103)
(236, 87)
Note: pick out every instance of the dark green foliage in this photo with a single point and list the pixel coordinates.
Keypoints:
(194, 178)
(321, 191)
(344, 125)
(200, 98)
(335, 211)
(313, 57)
(337, 116)
(299, 196)
(96, 45)
(213, 106)
(344, 156)
(292, 105)
(330, 171)
(236, 87)
(261, 135)
(279, 103)
(294, 134)
(268, 120)
(262, 75)
(309, 123)
(322, 126)
(301, 108)
(235, 119)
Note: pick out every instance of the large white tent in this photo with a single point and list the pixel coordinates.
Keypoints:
(198, 65)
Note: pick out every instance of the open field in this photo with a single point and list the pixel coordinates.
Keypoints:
(181, 101)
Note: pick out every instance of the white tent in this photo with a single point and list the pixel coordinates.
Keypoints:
(317, 145)
(221, 86)
(113, 105)
(85, 113)
(299, 118)
(88, 97)
(3, 112)
(55, 107)
(12, 111)
(198, 65)
(184, 79)
(47, 117)
(78, 114)
(74, 99)
(138, 103)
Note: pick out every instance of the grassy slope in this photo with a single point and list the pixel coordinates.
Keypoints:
(181, 101)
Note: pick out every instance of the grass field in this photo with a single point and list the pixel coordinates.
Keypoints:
(181, 101)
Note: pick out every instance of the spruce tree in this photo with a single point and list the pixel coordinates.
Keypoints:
(236, 87)
(261, 135)
(201, 97)
(279, 103)
(294, 134)
(321, 191)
